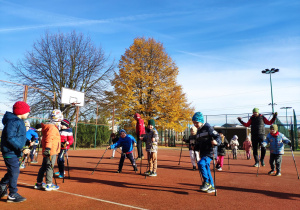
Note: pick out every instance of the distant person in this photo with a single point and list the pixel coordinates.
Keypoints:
(247, 147)
(140, 131)
(114, 140)
(234, 143)
(194, 153)
(207, 140)
(257, 122)
(151, 138)
(221, 150)
(276, 141)
(13, 140)
(32, 142)
(127, 142)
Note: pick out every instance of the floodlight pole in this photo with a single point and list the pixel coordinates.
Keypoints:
(270, 71)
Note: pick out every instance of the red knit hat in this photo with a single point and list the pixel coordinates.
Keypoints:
(20, 107)
(65, 122)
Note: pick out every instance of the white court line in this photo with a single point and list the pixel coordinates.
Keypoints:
(88, 197)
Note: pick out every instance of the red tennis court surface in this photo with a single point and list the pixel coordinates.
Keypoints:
(175, 187)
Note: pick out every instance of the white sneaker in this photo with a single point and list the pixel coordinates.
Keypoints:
(219, 169)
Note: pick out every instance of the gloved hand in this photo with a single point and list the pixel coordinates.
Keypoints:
(275, 114)
(47, 152)
(290, 144)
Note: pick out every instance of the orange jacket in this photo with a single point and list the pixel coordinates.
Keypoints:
(51, 138)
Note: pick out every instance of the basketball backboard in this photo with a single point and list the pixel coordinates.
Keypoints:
(70, 96)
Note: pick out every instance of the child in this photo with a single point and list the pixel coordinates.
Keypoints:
(221, 151)
(31, 143)
(276, 141)
(247, 147)
(51, 147)
(207, 139)
(151, 139)
(66, 136)
(234, 145)
(13, 140)
(194, 153)
(114, 140)
(127, 142)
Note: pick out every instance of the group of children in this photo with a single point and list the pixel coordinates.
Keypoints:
(205, 139)
(127, 143)
(205, 145)
(19, 139)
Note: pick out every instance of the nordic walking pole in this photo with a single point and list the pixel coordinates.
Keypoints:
(99, 161)
(68, 164)
(228, 160)
(214, 173)
(294, 161)
(180, 152)
(258, 160)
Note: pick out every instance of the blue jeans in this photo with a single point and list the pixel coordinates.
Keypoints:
(204, 168)
(12, 175)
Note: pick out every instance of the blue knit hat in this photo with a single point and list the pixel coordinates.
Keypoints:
(122, 130)
(198, 117)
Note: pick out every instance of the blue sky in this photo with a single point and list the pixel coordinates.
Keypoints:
(219, 46)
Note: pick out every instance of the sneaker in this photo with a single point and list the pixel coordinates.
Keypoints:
(138, 159)
(205, 186)
(15, 198)
(39, 186)
(34, 162)
(262, 163)
(271, 172)
(278, 174)
(60, 176)
(153, 174)
(57, 173)
(256, 165)
(50, 187)
(143, 157)
(194, 168)
(119, 171)
(219, 169)
(211, 190)
(22, 166)
(111, 157)
(148, 173)
(3, 190)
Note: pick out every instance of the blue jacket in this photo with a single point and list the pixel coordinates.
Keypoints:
(126, 144)
(13, 137)
(277, 142)
(204, 137)
(30, 134)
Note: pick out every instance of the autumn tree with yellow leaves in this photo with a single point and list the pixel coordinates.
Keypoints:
(146, 84)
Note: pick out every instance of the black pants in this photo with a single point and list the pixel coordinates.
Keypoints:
(139, 148)
(130, 157)
(11, 177)
(61, 161)
(256, 143)
(277, 159)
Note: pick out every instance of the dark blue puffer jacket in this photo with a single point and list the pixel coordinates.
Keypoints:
(13, 137)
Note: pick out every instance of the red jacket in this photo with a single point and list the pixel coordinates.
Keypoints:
(140, 126)
(66, 135)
